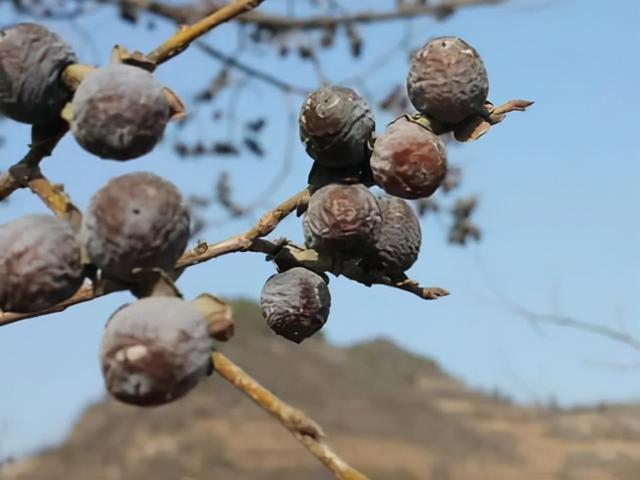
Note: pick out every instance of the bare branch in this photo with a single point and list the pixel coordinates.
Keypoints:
(303, 428)
(201, 253)
(20, 174)
(249, 70)
(183, 38)
(570, 322)
(283, 23)
(282, 252)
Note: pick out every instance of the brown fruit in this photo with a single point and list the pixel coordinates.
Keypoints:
(138, 220)
(119, 112)
(408, 160)
(447, 80)
(154, 351)
(342, 218)
(40, 263)
(335, 126)
(295, 303)
(399, 241)
(32, 59)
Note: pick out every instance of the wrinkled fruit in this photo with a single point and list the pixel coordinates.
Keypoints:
(32, 59)
(119, 112)
(154, 351)
(447, 80)
(408, 160)
(295, 303)
(342, 218)
(137, 220)
(335, 126)
(398, 245)
(40, 263)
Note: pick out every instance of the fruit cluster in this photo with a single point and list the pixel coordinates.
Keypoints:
(137, 226)
(447, 83)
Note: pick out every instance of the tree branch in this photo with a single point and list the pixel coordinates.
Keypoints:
(183, 38)
(570, 322)
(249, 70)
(303, 428)
(282, 252)
(283, 23)
(201, 253)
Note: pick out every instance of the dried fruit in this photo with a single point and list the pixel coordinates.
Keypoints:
(335, 126)
(295, 303)
(154, 351)
(32, 59)
(408, 160)
(398, 245)
(40, 263)
(119, 112)
(447, 80)
(342, 218)
(137, 220)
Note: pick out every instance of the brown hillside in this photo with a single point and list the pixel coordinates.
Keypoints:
(391, 414)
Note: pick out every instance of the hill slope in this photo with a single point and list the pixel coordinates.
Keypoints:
(391, 414)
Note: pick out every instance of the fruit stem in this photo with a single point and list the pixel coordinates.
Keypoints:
(303, 428)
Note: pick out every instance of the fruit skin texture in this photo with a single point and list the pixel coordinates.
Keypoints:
(154, 351)
(447, 80)
(335, 126)
(32, 59)
(295, 303)
(409, 161)
(138, 220)
(342, 218)
(40, 263)
(398, 245)
(119, 112)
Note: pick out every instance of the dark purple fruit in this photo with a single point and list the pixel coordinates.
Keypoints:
(342, 218)
(335, 126)
(137, 220)
(154, 351)
(119, 112)
(408, 160)
(447, 80)
(295, 303)
(399, 241)
(40, 263)
(32, 59)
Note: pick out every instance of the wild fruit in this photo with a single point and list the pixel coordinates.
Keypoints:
(138, 220)
(408, 160)
(342, 218)
(295, 303)
(335, 126)
(154, 351)
(398, 245)
(119, 112)
(32, 59)
(447, 80)
(40, 263)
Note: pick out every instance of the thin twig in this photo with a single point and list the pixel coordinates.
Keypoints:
(249, 70)
(284, 23)
(183, 38)
(570, 322)
(303, 428)
(265, 225)
(20, 174)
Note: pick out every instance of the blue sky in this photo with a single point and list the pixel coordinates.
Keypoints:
(558, 209)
